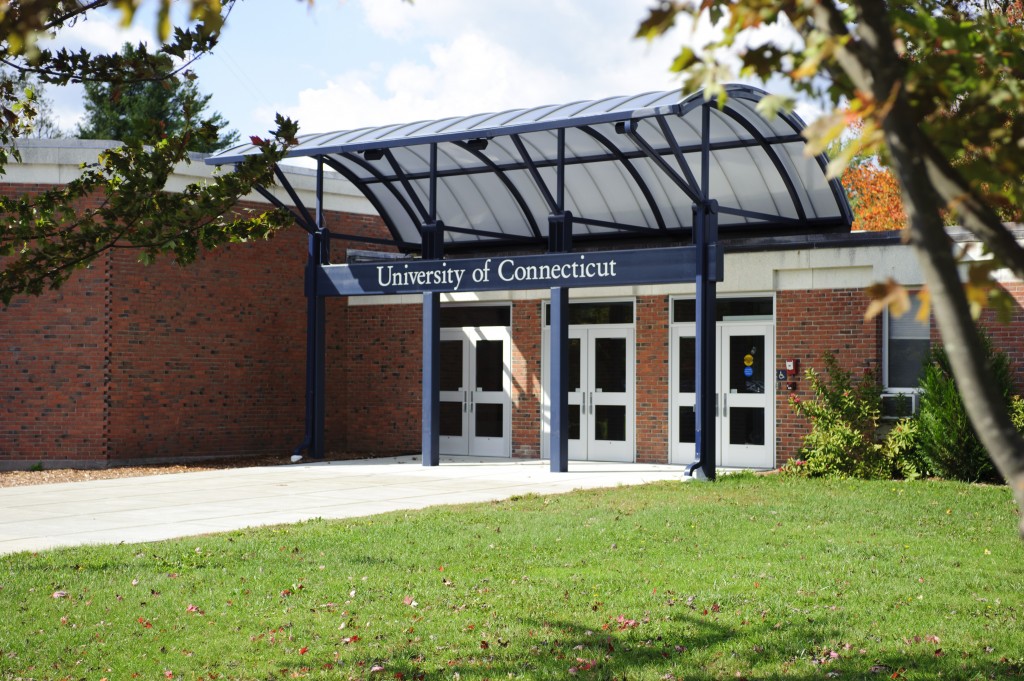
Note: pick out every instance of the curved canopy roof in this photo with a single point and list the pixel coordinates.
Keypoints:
(624, 167)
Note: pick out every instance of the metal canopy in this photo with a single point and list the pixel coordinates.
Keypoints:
(632, 168)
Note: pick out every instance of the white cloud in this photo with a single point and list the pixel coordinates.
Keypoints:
(476, 57)
(102, 32)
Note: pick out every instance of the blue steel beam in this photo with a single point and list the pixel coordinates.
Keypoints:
(558, 336)
(626, 163)
(431, 423)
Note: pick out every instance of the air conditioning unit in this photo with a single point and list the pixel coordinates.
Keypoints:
(899, 405)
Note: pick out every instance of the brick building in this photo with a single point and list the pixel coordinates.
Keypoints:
(130, 363)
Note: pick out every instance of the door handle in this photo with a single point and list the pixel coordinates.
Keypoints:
(591, 404)
(470, 402)
(725, 404)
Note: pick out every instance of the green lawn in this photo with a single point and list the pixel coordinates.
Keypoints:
(749, 577)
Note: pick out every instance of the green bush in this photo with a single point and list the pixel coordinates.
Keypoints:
(844, 421)
(949, 447)
(845, 440)
(902, 448)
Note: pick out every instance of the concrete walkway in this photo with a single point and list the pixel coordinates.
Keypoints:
(37, 517)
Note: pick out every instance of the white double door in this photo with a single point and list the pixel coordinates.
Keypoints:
(744, 400)
(601, 386)
(476, 380)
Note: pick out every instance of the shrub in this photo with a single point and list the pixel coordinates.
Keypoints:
(949, 446)
(845, 440)
(903, 451)
(844, 421)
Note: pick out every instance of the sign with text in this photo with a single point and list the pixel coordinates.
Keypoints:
(505, 273)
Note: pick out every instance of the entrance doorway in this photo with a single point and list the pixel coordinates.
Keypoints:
(475, 387)
(744, 399)
(602, 369)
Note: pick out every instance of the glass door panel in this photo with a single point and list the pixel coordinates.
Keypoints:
(744, 424)
(454, 367)
(600, 393)
(577, 415)
(683, 394)
(747, 422)
(475, 386)
(609, 404)
(489, 403)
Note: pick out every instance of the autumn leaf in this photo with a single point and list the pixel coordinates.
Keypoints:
(891, 295)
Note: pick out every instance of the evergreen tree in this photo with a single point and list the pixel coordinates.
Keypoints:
(147, 110)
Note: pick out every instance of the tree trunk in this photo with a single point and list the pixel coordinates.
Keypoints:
(982, 398)
(872, 64)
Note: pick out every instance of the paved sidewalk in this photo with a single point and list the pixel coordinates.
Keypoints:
(38, 517)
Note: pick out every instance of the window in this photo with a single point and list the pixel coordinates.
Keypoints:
(595, 313)
(906, 348)
(475, 315)
(685, 309)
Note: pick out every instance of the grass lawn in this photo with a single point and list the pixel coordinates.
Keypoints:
(749, 577)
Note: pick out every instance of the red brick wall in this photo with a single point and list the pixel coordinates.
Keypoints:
(652, 379)
(383, 374)
(807, 324)
(208, 359)
(526, 378)
(53, 373)
(1007, 335)
(130, 363)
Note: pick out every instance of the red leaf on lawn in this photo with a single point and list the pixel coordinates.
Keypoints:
(408, 600)
(303, 650)
(484, 645)
(145, 623)
(169, 674)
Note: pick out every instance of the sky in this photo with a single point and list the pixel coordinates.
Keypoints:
(342, 64)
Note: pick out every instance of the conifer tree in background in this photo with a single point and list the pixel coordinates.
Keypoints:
(46, 236)
(148, 110)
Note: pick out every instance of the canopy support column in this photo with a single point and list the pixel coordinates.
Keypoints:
(433, 249)
(431, 441)
(317, 253)
(705, 226)
(559, 241)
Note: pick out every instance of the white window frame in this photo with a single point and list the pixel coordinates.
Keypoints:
(892, 392)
